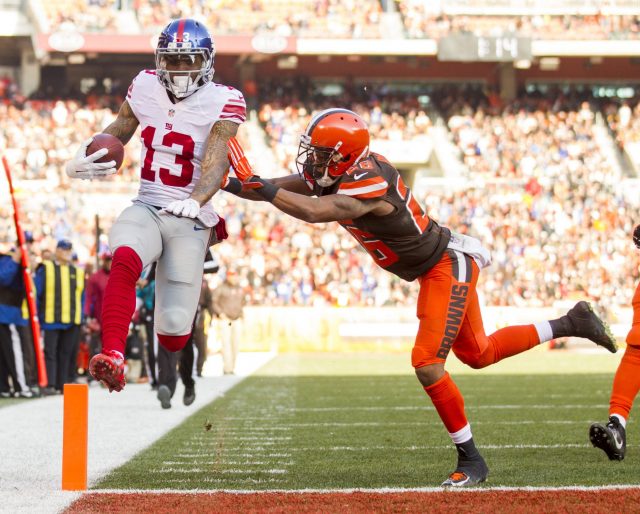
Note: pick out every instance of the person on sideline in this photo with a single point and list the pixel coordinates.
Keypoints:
(228, 303)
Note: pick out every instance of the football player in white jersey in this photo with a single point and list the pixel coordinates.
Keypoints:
(186, 121)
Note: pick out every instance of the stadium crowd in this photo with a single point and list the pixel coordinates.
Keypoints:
(624, 119)
(83, 15)
(330, 19)
(533, 163)
(539, 193)
(541, 196)
(286, 107)
(422, 22)
(560, 220)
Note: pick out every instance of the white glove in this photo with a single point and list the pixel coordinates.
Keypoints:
(84, 166)
(188, 208)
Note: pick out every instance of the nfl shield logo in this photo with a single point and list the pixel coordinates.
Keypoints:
(168, 126)
(172, 113)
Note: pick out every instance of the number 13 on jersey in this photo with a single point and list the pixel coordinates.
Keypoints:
(183, 159)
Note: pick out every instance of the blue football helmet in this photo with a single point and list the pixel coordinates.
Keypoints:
(184, 40)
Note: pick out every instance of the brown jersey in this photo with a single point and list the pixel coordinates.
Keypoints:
(406, 242)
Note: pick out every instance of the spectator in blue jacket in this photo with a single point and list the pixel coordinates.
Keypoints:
(13, 330)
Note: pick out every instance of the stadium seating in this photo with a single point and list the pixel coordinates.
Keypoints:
(624, 121)
(421, 22)
(329, 19)
(86, 16)
(546, 191)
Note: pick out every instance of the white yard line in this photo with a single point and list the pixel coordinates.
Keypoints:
(373, 408)
(383, 490)
(120, 426)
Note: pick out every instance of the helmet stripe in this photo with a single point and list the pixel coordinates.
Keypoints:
(180, 30)
(322, 115)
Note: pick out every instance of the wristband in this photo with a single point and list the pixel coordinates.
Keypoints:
(234, 186)
(268, 191)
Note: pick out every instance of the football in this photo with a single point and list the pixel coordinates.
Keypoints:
(112, 144)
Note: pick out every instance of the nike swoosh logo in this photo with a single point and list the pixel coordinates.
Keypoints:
(358, 177)
(617, 440)
(196, 227)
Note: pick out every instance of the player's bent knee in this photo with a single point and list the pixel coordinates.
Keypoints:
(173, 322)
(632, 351)
(173, 343)
(477, 361)
(430, 373)
(633, 338)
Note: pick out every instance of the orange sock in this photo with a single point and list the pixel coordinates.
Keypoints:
(447, 400)
(626, 383)
(504, 343)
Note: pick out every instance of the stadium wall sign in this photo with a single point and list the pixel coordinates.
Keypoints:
(66, 41)
(477, 49)
(268, 44)
(143, 43)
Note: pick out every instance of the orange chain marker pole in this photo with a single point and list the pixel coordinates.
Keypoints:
(28, 282)
(75, 432)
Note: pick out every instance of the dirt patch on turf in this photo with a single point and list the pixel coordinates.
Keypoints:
(596, 501)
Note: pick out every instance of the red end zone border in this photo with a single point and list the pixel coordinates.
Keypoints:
(605, 499)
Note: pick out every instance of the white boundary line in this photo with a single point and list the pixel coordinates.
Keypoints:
(383, 490)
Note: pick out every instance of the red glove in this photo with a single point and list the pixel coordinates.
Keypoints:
(221, 230)
(241, 165)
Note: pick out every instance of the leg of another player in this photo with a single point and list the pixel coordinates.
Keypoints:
(442, 304)
(200, 342)
(611, 436)
(167, 376)
(185, 368)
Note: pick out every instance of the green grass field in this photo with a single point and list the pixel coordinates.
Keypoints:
(358, 421)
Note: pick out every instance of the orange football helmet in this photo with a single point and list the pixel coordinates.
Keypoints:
(334, 140)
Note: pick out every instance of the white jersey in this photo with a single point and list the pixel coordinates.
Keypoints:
(174, 137)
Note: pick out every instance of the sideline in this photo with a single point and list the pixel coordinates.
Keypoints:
(120, 426)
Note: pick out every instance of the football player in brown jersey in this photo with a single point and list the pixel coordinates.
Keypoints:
(341, 180)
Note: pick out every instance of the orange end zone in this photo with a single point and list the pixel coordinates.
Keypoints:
(500, 501)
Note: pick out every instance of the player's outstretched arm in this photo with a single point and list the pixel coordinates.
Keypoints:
(214, 163)
(334, 207)
(125, 125)
(289, 183)
(243, 169)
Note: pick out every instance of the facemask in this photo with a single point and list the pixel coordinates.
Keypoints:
(326, 180)
(182, 85)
